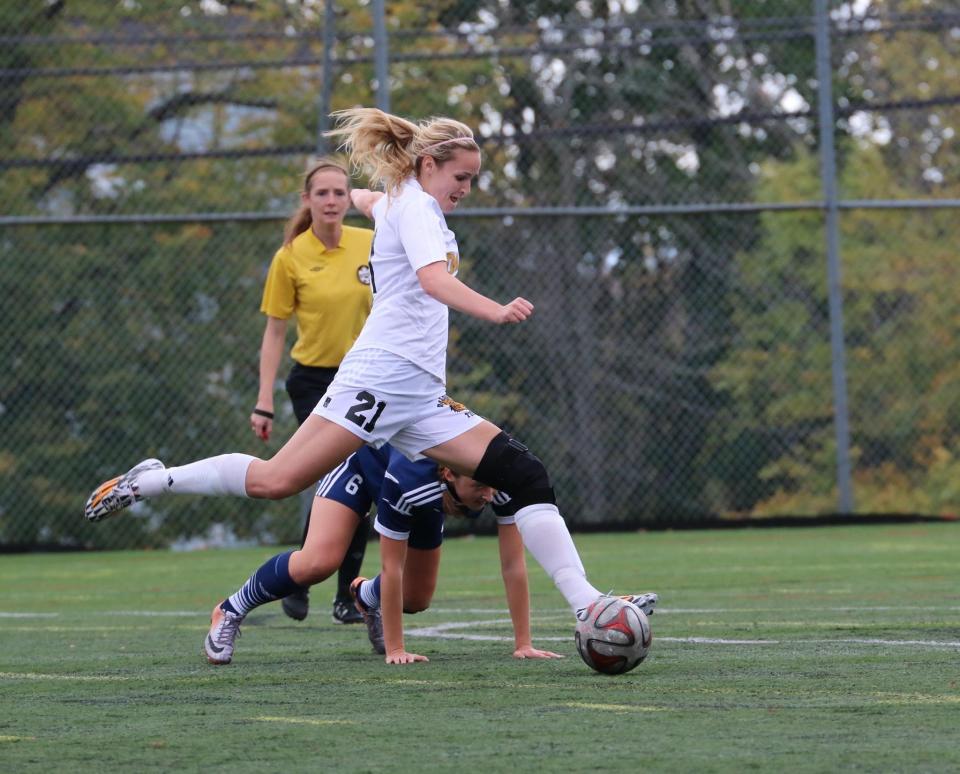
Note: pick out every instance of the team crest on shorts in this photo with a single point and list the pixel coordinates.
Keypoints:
(363, 274)
(446, 400)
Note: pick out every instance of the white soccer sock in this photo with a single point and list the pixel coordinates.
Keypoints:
(546, 536)
(369, 595)
(225, 474)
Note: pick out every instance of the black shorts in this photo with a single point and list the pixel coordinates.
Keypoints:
(305, 386)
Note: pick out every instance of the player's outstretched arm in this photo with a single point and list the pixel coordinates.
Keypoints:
(393, 554)
(513, 567)
(364, 200)
(446, 289)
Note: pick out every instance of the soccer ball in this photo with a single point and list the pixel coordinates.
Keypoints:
(613, 636)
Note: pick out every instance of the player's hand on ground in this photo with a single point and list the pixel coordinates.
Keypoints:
(402, 657)
(516, 311)
(528, 651)
(261, 426)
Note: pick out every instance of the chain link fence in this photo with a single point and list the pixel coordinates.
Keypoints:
(657, 179)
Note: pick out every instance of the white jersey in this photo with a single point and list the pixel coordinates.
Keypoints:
(410, 233)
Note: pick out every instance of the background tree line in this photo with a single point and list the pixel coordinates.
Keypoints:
(678, 366)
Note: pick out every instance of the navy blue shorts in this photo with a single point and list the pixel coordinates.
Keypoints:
(357, 483)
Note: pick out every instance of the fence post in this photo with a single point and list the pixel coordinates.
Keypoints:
(381, 64)
(326, 90)
(828, 171)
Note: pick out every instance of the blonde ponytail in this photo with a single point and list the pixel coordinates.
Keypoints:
(389, 149)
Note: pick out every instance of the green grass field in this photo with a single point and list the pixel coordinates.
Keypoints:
(794, 650)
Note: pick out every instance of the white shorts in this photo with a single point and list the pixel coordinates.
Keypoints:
(381, 397)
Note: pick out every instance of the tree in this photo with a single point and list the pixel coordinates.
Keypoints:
(614, 108)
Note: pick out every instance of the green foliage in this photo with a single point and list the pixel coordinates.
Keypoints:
(901, 331)
(677, 365)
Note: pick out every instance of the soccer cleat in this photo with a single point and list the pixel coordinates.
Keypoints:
(371, 618)
(646, 602)
(114, 495)
(297, 604)
(224, 629)
(345, 613)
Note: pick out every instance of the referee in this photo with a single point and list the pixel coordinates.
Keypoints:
(320, 275)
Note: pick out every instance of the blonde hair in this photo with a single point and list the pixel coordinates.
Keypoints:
(301, 220)
(389, 149)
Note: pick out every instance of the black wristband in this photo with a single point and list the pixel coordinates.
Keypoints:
(262, 413)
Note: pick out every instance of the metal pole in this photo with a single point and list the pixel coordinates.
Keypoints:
(326, 90)
(828, 171)
(381, 63)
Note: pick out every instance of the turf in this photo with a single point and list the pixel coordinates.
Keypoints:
(796, 650)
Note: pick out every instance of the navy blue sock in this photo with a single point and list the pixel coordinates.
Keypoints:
(272, 581)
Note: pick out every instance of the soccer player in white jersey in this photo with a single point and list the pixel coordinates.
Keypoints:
(391, 385)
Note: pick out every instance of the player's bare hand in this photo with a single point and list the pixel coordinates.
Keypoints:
(516, 311)
(261, 426)
(528, 651)
(402, 657)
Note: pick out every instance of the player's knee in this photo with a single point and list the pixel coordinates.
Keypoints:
(266, 491)
(510, 467)
(416, 603)
(313, 569)
(270, 482)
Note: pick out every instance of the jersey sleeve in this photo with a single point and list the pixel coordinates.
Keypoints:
(422, 232)
(504, 509)
(280, 290)
(407, 487)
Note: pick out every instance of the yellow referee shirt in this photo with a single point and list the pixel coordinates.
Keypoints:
(327, 290)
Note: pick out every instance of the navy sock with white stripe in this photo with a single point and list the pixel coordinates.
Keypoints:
(272, 581)
(369, 593)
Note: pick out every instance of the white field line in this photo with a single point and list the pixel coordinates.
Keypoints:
(304, 721)
(725, 610)
(454, 631)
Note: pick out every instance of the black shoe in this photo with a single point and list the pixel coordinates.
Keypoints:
(297, 605)
(345, 612)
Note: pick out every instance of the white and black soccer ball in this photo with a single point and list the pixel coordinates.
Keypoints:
(613, 636)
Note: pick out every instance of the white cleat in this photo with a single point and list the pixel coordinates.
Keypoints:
(646, 602)
(224, 629)
(114, 495)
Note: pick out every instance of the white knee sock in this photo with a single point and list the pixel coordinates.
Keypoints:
(546, 536)
(222, 475)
